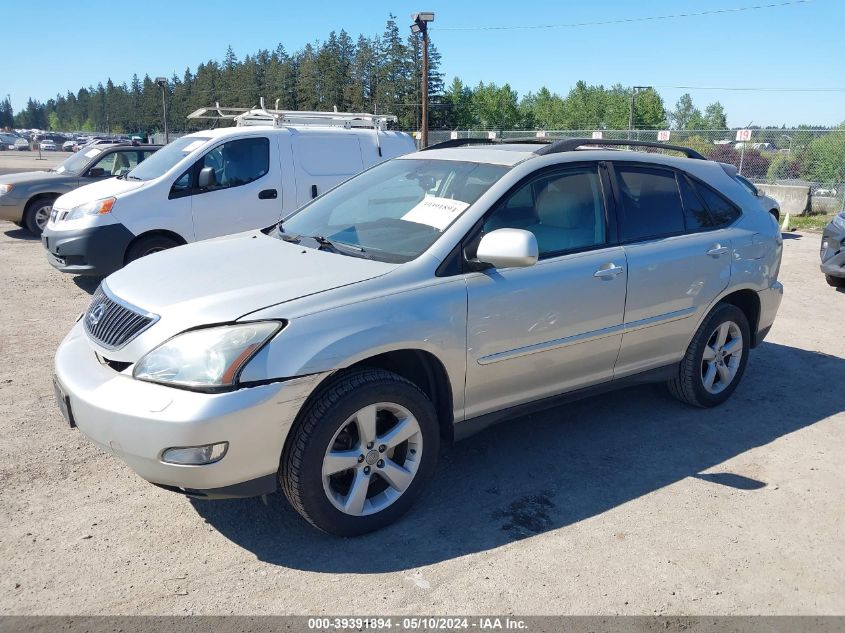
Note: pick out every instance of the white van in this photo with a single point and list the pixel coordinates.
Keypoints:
(213, 183)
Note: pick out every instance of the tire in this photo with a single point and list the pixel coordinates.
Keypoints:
(149, 245)
(836, 282)
(725, 370)
(330, 424)
(37, 214)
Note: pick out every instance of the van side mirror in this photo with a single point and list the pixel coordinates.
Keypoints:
(508, 248)
(207, 178)
(96, 172)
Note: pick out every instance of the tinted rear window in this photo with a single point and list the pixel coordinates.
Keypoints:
(723, 212)
(651, 203)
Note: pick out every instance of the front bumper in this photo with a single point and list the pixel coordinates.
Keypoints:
(96, 250)
(11, 209)
(137, 421)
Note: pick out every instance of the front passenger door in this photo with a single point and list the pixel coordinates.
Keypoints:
(556, 326)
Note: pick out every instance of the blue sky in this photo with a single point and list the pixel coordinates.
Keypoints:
(797, 46)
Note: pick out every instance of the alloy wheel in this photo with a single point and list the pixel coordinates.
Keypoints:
(42, 216)
(722, 357)
(372, 459)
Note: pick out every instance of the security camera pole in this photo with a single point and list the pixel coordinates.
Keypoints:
(162, 81)
(420, 25)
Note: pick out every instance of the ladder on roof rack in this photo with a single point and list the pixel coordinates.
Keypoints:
(284, 118)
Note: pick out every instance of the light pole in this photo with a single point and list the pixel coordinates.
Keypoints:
(420, 25)
(631, 111)
(162, 81)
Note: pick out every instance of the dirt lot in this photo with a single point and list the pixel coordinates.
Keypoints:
(628, 503)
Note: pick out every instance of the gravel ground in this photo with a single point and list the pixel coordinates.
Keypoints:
(626, 503)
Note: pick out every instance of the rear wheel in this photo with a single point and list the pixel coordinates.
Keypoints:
(836, 282)
(149, 245)
(361, 453)
(715, 359)
(37, 214)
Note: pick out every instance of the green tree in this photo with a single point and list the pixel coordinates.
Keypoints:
(825, 157)
(715, 117)
(685, 114)
(495, 107)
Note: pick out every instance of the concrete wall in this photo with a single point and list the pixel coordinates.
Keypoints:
(793, 199)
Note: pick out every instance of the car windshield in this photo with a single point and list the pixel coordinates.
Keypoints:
(75, 165)
(394, 211)
(165, 158)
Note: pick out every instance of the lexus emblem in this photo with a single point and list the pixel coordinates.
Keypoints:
(96, 314)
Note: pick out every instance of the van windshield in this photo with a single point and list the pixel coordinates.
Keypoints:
(394, 211)
(165, 158)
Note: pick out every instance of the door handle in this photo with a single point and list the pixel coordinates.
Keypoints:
(268, 194)
(717, 250)
(313, 191)
(608, 271)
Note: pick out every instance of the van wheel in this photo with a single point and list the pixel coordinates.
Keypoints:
(37, 214)
(715, 359)
(149, 245)
(361, 452)
(836, 282)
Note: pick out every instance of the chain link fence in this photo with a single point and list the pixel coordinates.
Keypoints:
(809, 159)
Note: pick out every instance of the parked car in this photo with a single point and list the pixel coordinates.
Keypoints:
(47, 146)
(67, 146)
(27, 198)
(424, 299)
(21, 144)
(8, 140)
(767, 202)
(833, 251)
(205, 185)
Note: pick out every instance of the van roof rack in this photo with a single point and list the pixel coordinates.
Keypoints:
(554, 146)
(283, 118)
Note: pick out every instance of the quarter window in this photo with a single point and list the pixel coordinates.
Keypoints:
(565, 211)
(238, 162)
(695, 213)
(723, 212)
(651, 203)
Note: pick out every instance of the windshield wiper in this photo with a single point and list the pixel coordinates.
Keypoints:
(322, 240)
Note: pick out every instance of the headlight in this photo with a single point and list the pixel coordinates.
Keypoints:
(4, 189)
(97, 207)
(209, 359)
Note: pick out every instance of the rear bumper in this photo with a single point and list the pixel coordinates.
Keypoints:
(96, 250)
(770, 299)
(136, 421)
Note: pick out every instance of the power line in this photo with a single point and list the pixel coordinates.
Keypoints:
(753, 89)
(626, 20)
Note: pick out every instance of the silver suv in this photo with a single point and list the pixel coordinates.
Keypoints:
(418, 302)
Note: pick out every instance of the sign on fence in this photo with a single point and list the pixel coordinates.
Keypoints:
(453, 134)
(418, 135)
(663, 135)
(597, 134)
(491, 135)
(541, 134)
(743, 135)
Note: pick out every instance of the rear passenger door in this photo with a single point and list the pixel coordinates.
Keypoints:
(679, 261)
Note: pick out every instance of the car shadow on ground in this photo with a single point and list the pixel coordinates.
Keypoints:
(87, 283)
(18, 233)
(543, 472)
(791, 236)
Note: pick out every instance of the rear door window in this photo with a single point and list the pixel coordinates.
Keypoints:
(651, 203)
(723, 212)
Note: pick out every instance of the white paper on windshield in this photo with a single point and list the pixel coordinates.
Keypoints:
(436, 212)
(91, 153)
(190, 147)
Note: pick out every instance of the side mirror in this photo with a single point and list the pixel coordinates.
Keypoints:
(96, 172)
(207, 178)
(508, 248)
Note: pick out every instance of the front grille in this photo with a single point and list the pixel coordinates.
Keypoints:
(113, 324)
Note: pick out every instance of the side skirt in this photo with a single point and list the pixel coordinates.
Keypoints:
(472, 426)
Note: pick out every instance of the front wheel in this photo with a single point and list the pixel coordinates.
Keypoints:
(836, 282)
(361, 452)
(149, 245)
(37, 214)
(715, 359)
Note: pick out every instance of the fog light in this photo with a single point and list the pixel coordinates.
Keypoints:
(195, 455)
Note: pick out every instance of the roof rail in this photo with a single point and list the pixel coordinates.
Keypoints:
(571, 144)
(283, 118)
(461, 142)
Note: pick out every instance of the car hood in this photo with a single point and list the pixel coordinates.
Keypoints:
(34, 176)
(223, 279)
(97, 191)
